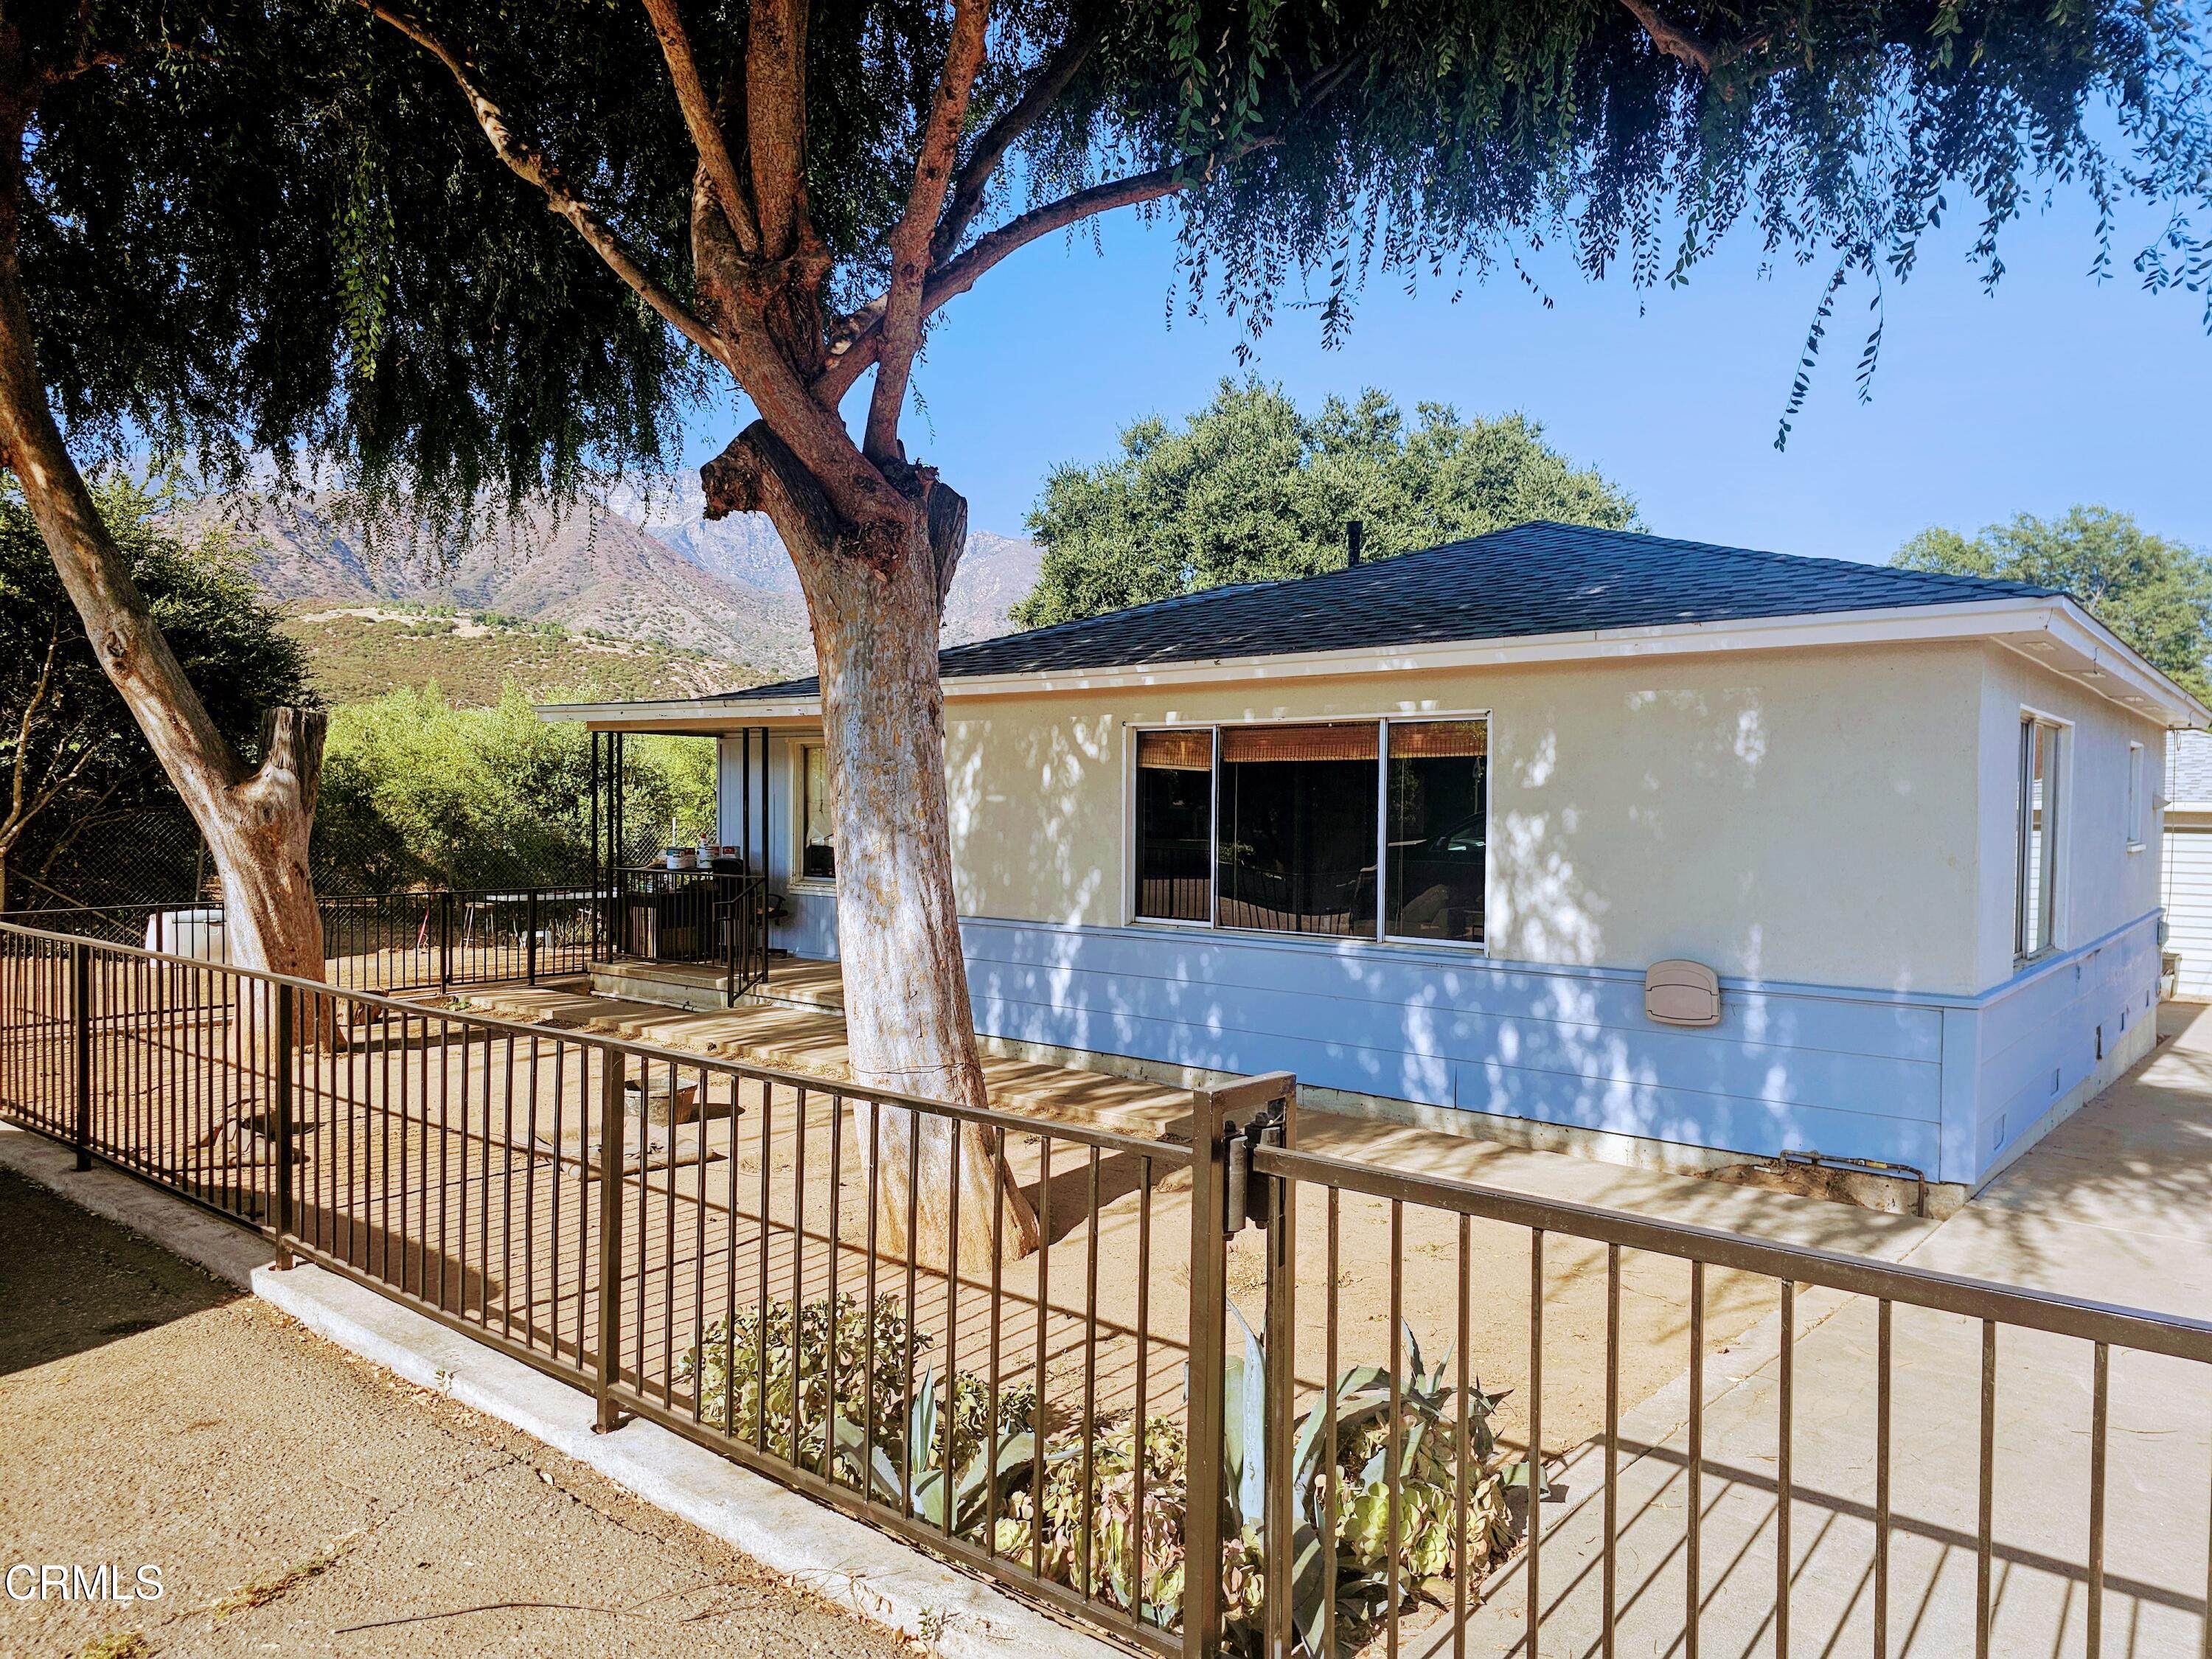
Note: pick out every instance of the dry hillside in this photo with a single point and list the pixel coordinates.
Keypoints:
(649, 570)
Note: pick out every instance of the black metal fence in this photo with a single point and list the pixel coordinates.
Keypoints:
(717, 916)
(438, 938)
(823, 1281)
(451, 939)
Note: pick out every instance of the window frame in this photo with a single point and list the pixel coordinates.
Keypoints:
(799, 878)
(1132, 877)
(2138, 814)
(2050, 862)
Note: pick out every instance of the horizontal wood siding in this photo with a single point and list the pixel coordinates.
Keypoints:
(2038, 1036)
(1851, 1074)
(2188, 907)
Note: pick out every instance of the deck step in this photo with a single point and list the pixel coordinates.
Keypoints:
(701, 987)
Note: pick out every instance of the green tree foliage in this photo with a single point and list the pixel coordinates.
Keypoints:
(283, 228)
(74, 766)
(2153, 592)
(417, 792)
(1251, 489)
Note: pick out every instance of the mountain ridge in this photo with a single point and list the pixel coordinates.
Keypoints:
(647, 564)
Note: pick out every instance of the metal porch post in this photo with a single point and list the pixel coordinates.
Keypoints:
(81, 1023)
(612, 1138)
(282, 1060)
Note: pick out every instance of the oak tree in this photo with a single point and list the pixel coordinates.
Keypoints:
(1251, 489)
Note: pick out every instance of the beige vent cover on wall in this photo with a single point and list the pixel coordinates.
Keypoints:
(1678, 992)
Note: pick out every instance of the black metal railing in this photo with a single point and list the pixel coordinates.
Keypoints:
(718, 916)
(414, 939)
(1198, 1415)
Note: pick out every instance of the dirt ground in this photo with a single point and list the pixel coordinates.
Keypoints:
(299, 1501)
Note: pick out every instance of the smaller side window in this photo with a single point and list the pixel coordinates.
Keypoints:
(817, 836)
(2136, 798)
(2036, 829)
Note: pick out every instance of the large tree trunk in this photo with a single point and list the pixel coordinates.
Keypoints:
(257, 820)
(909, 1024)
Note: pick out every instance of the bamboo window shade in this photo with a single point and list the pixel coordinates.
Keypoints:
(1176, 751)
(1439, 739)
(1300, 743)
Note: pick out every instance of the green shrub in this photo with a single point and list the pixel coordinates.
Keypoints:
(417, 792)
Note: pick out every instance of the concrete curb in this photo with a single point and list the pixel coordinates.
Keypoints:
(846, 1561)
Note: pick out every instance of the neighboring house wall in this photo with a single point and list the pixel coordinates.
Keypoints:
(2187, 859)
(2188, 899)
(1828, 829)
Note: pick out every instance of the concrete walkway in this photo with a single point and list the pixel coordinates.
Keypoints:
(2116, 1206)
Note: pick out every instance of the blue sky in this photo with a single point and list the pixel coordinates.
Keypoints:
(2051, 391)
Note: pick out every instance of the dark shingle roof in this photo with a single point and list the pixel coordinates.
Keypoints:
(1535, 579)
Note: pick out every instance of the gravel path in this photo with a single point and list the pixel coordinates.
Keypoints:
(299, 1501)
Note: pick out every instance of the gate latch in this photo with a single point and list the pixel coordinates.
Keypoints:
(1246, 1203)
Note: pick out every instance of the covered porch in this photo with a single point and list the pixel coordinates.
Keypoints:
(706, 926)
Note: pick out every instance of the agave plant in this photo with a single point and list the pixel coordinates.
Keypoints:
(959, 1457)
(1356, 1470)
(945, 1476)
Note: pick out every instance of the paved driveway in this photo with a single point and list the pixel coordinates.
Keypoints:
(2116, 1205)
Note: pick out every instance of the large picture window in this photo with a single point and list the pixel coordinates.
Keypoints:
(1347, 829)
(1297, 849)
(817, 831)
(2035, 835)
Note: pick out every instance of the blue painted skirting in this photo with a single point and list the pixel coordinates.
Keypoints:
(1946, 1083)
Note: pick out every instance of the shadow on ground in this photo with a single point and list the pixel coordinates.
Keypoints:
(116, 1283)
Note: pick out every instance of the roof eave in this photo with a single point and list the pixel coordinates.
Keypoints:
(2053, 631)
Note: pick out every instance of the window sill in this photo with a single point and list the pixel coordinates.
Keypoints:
(1439, 946)
(813, 884)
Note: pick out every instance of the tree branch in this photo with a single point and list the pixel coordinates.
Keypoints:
(1689, 47)
(1003, 134)
(19, 769)
(699, 117)
(857, 339)
(911, 238)
(531, 165)
(1678, 43)
(90, 59)
(864, 329)
(775, 121)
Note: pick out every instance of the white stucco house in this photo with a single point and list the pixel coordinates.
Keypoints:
(1419, 830)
